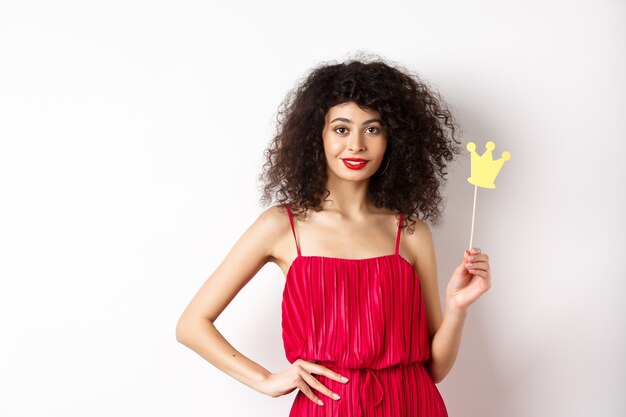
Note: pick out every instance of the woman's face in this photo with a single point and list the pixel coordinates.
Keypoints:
(353, 133)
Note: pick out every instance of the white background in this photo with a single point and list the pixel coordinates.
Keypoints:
(132, 135)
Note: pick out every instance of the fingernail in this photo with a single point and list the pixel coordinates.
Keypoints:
(344, 379)
(320, 402)
(336, 396)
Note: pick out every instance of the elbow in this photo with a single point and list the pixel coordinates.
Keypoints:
(436, 377)
(181, 331)
(187, 327)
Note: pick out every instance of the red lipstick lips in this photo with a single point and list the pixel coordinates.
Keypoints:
(355, 163)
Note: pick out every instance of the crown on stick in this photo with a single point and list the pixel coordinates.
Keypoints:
(484, 168)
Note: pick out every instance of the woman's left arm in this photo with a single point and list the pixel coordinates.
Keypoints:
(469, 280)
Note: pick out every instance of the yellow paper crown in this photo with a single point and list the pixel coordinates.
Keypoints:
(484, 168)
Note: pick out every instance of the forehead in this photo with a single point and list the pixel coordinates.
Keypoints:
(350, 110)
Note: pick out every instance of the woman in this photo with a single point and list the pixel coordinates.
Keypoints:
(355, 166)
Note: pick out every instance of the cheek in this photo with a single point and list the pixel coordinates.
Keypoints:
(381, 148)
(332, 149)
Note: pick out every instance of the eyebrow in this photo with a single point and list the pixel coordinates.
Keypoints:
(343, 119)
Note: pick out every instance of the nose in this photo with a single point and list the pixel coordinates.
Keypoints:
(355, 143)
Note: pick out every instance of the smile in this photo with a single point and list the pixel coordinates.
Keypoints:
(355, 163)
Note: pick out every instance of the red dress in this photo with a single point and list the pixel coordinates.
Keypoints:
(366, 320)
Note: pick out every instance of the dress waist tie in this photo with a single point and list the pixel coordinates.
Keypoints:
(372, 390)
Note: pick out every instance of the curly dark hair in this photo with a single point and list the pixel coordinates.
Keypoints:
(420, 138)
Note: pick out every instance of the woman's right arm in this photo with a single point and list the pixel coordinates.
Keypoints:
(195, 328)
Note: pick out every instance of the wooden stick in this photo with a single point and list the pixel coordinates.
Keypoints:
(473, 214)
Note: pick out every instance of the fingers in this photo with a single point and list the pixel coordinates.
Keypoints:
(475, 261)
(315, 368)
(472, 251)
(470, 280)
(309, 382)
(477, 265)
(312, 382)
(480, 272)
(303, 386)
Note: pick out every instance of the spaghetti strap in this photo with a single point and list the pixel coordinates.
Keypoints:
(293, 230)
(398, 236)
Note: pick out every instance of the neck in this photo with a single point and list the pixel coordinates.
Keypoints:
(350, 198)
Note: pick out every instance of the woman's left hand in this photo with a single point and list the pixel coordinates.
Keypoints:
(470, 280)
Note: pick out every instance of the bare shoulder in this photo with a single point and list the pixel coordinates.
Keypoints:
(253, 249)
(272, 218)
(268, 228)
(418, 240)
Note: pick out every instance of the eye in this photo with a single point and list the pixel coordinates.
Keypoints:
(339, 128)
(376, 128)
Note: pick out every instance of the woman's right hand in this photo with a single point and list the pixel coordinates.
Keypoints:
(299, 375)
